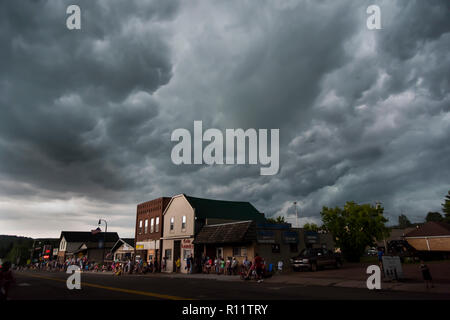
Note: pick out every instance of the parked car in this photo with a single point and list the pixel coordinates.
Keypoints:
(314, 259)
(372, 252)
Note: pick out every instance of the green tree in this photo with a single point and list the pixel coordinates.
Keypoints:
(403, 221)
(19, 254)
(279, 219)
(311, 227)
(434, 216)
(446, 207)
(355, 227)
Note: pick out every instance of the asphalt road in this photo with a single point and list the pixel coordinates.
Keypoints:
(52, 286)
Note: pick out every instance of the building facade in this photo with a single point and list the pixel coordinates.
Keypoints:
(245, 239)
(123, 250)
(185, 216)
(78, 244)
(149, 230)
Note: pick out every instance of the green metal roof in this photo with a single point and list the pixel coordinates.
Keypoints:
(227, 210)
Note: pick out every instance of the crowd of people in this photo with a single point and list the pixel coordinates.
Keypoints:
(140, 266)
(117, 267)
(248, 269)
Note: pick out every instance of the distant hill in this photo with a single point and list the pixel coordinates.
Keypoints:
(8, 242)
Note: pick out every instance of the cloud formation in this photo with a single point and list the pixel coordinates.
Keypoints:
(87, 115)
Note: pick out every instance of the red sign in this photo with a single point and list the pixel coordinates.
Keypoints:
(187, 244)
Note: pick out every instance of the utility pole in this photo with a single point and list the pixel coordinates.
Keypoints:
(296, 215)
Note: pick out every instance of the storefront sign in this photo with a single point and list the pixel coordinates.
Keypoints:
(290, 237)
(147, 245)
(187, 244)
(265, 236)
(311, 237)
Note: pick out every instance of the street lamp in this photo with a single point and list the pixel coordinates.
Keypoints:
(104, 236)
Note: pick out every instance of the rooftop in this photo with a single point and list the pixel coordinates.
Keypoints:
(234, 232)
(221, 209)
(430, 229)
(87, 236)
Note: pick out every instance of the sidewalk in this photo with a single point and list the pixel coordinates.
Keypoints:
(354, 276)
(407, 285)
(351, 276)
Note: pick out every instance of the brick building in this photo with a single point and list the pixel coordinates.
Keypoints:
(148, 233)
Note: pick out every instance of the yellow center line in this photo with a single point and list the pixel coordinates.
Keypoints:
(138, 292)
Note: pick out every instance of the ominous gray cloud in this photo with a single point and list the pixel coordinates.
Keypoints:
(87, 115)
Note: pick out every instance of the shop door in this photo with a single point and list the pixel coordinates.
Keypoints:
(219, 252)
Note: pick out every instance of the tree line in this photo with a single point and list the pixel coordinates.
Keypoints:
(357, 226)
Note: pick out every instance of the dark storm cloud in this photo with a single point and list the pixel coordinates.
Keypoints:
(71, 101)
(87, 115)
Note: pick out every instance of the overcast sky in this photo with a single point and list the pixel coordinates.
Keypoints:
(86, 115)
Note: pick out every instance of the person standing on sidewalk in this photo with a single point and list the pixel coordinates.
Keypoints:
(280, 266)
(191, 265)
(188, 264)
(234, 266)
(380, 258)
(6, 280)
(258, 263)
(426, 274)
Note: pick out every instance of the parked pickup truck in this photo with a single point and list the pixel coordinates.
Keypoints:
(314, 259)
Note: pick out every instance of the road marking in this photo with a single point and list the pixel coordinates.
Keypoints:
(142, 293)
(24, 284)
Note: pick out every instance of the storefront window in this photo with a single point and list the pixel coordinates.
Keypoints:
(275, 248)
(186, 253)
(168, 254)
(239, 251)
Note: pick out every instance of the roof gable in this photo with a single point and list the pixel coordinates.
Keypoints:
(123, 241)
(86, 236)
